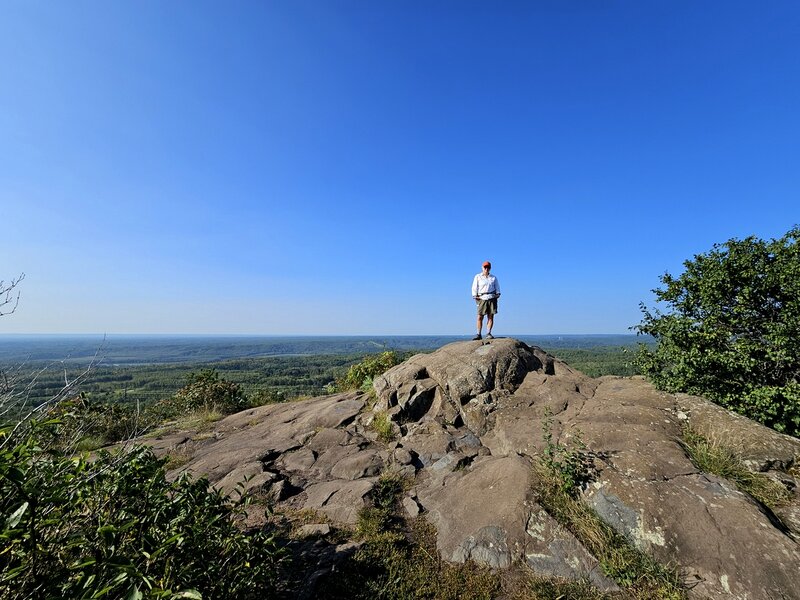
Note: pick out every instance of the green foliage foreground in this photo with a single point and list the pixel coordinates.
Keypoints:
(731, 330)
(115, 527)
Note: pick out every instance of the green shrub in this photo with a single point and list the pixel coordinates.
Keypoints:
(89, 424)
(367, 369)
(729, 329)
(266, 395)
(386, 491)
(115, 527)
(207, 391)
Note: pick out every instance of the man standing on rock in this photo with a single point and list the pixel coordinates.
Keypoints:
(486, 291)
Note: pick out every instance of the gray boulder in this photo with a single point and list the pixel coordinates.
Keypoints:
(442, 382)
(477, 511)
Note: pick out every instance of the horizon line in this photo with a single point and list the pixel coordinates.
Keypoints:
(322, 335)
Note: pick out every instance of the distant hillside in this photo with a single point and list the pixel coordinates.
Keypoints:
(160, 349)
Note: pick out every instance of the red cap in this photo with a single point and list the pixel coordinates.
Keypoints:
(487, 264)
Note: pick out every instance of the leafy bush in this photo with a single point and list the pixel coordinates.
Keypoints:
(367, 370)
(115, 527)
(265, 395)
(205, 390)
(731, 329)
(91, 425)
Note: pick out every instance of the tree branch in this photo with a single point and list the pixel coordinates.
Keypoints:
(7, 296)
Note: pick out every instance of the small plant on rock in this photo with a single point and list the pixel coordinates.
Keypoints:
(382, 425)
(377, 520)
(400, 560)
(569, 465)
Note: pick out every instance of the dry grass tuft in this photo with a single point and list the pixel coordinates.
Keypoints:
(711, 456)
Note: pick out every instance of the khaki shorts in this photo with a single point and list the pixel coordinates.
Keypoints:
(487, 307)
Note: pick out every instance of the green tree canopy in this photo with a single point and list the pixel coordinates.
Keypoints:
(729, 329)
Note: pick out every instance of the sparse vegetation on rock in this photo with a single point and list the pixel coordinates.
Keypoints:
(568, 466)
(399, 561)
(382, 425)
(713, 457)
(559, 475)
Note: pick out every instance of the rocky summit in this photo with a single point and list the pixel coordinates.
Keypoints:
(468, 421)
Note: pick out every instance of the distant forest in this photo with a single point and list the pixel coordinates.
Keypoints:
(140, 369)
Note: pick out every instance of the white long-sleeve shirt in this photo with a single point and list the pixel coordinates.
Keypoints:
(485, 287)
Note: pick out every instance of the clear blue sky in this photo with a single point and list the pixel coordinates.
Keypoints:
(344, 167)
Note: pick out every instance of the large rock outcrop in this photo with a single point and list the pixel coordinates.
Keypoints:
(469, 420)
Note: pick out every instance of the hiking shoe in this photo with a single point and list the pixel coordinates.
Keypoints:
(477, 337)
(489, 336)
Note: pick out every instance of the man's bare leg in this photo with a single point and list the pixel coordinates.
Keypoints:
(479, 324)
(489, 324)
